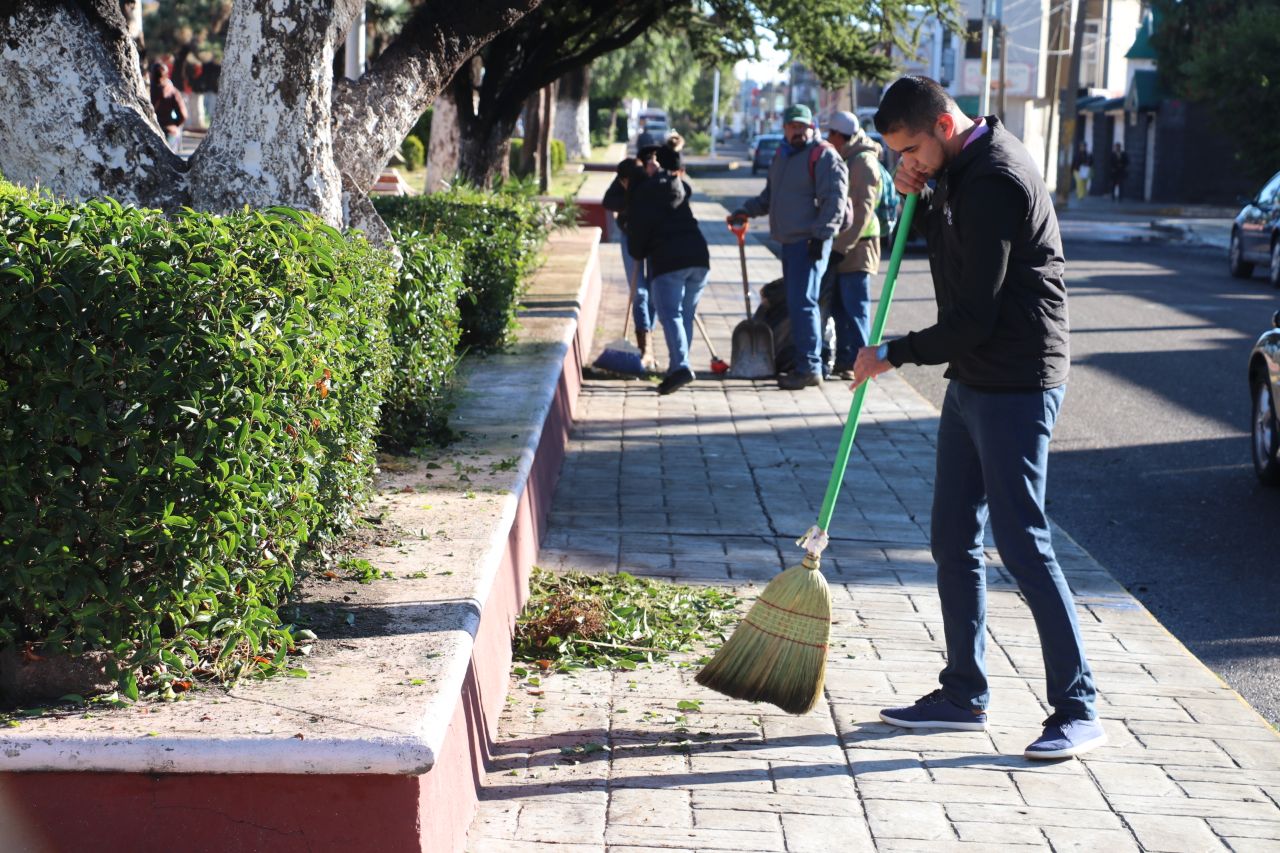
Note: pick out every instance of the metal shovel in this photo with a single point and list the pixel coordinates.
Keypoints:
(752, 356)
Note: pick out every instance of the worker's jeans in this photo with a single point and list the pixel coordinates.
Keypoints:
(676, 294)
(804, 278)
(643, 310)
(993, 454)
(850, 307)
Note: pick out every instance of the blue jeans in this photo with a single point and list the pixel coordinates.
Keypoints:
(803, 279)
(643, 311)
(851, 307)
(993, 456)
(677, 294)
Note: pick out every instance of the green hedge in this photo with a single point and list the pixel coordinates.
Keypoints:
(500, 235)
(425, 330)
(414, 153)
(185, 402)
(559, 156)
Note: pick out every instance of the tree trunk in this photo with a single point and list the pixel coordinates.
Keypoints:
(284, 133)
(484, 150)
(532, 134)
(446, 142)
(544, 137)
(573, 113)
(83, 128)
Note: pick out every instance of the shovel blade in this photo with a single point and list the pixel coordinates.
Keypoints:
(752, 356)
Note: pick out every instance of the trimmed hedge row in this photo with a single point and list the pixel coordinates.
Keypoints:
(425, 322)
(185, 403)
(500, 234)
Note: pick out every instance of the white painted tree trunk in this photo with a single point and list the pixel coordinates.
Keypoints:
(446, 139)
(573, 113)
(75, 117)
(272, 142)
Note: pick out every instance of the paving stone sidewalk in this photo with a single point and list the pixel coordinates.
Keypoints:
(712, 485)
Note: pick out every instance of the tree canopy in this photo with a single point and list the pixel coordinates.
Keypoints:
(1226, 53)
(837, 39)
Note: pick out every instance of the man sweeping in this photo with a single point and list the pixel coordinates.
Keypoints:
(995, 255)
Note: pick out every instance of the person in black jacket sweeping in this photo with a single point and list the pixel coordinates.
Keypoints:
(663, 232)
(996, 258)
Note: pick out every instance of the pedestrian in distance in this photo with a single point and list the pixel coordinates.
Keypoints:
(1118, 164)
(804, 196)
(995, 255)
(664, 233)
(1081, 166)
(855, 253)
(170, 108)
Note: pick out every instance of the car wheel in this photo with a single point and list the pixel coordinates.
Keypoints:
(1240, 268)
(1266, 433)
(1273, 272)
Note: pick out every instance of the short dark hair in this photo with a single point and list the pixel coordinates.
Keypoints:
(912, 103)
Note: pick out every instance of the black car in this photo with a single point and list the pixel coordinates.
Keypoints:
(763, 150)
(1264, 387)
(1255, 234)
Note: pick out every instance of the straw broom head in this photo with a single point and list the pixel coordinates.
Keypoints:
(778, 654)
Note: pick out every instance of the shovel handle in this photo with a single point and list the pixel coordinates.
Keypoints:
(877, 329)
(739, 229)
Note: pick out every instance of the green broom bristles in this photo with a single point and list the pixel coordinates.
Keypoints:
(779, 652)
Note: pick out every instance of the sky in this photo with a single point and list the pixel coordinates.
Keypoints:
(766, 70)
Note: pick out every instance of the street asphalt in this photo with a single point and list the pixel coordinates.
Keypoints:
(1150, 469)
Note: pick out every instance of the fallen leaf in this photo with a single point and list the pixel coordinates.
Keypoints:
(300, 736)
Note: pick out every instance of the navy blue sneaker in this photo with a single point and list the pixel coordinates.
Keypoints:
(1064, 737)
(935, 711)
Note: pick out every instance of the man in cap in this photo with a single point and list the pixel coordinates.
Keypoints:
(804, 196)
(855, 254)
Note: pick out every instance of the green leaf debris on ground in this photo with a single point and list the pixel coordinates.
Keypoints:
(575, 620)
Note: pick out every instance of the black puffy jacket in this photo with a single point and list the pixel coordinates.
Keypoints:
(998, 272)
(661, 227)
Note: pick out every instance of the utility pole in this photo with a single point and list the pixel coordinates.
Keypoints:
(353, 61)
(1002, 103)
(984, 102)
(1067, 133)
(715, 110)
(1058, 23)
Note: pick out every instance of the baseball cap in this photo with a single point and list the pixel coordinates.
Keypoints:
(798, 112)
(844, 122)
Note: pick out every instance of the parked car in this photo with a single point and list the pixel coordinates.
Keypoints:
(1264, 388)
(762, 150)
(1255, 234)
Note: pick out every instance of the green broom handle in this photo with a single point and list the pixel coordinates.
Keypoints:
(877, 329)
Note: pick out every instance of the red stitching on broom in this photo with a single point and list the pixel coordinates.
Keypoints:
(792, 612)
(822, 646)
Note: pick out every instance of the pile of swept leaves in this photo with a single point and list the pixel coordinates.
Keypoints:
(576, 620)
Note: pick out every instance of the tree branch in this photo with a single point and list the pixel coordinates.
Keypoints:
(372, 115)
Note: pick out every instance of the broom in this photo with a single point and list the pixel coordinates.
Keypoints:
(718, 365)
(778, 653)
(620, 355)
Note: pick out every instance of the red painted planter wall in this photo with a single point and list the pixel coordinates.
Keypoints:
(283, 813)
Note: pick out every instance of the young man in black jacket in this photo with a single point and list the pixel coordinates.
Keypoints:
(995, 255)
